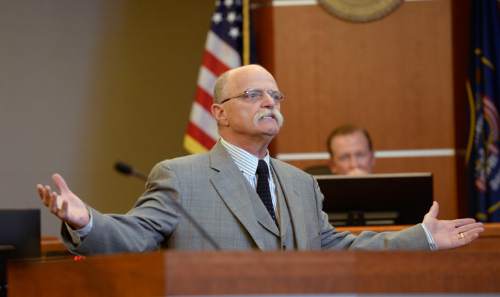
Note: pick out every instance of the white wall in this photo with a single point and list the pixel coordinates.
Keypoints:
(45, 54)
(61, 95)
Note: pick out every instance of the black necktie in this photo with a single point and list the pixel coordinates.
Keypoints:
(263, 187)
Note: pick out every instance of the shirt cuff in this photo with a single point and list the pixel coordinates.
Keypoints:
(78, 234)
(430, 239)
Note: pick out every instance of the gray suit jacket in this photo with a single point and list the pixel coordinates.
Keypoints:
(214, 191)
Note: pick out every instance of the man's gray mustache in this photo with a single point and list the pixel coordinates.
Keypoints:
(276, 114)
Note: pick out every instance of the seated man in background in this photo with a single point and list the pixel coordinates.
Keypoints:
(351, 151)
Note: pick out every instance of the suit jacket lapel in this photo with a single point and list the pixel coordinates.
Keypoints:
(263, 216)
(284, 216)
(294, 204)
(232, 186)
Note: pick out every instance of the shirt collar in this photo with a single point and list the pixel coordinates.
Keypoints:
(246, 162)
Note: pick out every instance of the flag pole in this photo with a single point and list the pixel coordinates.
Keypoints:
(246, 32)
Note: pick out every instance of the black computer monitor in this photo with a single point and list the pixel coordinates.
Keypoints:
(20, 232)
(376, 199)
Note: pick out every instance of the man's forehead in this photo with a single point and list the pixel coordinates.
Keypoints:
(356, 137)
(251, 78)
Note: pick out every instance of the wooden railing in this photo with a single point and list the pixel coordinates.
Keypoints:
(233, 273)
(471, 269)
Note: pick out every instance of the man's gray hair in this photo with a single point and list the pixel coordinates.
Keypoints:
(220, 83)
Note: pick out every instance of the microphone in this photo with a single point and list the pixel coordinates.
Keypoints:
(128, 170)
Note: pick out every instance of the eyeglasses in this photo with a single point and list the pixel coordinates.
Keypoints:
(358, 156)
(254, 95)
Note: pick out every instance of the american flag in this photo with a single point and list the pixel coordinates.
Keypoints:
(223, 51)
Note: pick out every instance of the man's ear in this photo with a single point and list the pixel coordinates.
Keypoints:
(372, 161)
(219, 113)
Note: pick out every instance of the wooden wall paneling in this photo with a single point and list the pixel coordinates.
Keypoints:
(393, 76)
(461, 31)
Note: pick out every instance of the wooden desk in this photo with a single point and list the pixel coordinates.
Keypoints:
(209, 273)
(471, 269)
(52, 246)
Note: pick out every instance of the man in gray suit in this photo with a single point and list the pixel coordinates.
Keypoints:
(243, 198)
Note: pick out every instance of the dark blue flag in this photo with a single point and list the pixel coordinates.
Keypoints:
(483, 87)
